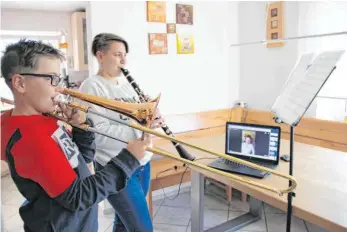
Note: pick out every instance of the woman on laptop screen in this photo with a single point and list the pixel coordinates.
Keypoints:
(247, 144)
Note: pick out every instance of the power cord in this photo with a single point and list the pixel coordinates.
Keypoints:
(179, 186)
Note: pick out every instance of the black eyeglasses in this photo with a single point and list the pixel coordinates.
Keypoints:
(55, 79)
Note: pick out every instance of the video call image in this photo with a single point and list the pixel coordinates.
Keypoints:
(249, 142)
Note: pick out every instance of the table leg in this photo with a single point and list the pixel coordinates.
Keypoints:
(197, 201)
(254, 214)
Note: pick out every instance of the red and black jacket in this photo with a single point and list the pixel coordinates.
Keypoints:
(49, 167)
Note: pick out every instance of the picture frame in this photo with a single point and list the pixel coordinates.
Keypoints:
(171, 28)
(185, 43)
(157, 43)
(274, 12)
(274, 35)
(156, 12)
(184, 14)
(275, 22)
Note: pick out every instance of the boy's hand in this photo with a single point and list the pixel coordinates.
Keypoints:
(157, 123)
(158, 120)
(73, 115)
(138, 147)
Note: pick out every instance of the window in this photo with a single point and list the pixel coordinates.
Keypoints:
(9, 37)
(331, 108)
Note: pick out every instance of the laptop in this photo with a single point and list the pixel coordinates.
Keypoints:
(259, 144)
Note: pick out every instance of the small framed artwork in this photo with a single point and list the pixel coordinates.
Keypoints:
(274, 35)
(274, 24)
(156, 12)
(157, 43)
(171, 28)
(274, 12)
(184, 14)
(185, 43)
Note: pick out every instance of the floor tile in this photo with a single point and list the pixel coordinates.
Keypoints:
(13, 224)
(214, 203)
(277, 223)
(12, 197)
(158, 202)
(9, 211)
(172, 216)
(155, 209)
(189, 228)
(182, 200)
(259, 226)
(238, 205)
(169, 228)
(270, 209)
(109, 229)
(313, 228)
(213, 218)
(6, 182)
(104, 222)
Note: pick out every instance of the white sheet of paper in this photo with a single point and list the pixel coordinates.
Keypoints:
(303, 84)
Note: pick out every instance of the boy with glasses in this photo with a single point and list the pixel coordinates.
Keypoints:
(48, 163)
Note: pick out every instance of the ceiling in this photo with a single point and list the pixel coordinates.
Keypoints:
(45, 5)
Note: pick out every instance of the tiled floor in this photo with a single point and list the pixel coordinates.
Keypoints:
(169, 215)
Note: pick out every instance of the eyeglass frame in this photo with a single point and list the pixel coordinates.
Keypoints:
(51, 76)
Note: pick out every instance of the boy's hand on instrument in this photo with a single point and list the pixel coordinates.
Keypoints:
(147, 98)
(138, 147)
(157, 123)
(158, 120)
(73, 115)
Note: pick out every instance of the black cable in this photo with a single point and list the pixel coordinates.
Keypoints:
(179, 186)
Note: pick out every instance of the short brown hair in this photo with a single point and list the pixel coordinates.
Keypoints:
(22, 57)
(101, 42)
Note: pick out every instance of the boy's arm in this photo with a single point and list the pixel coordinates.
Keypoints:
(45, 163)
(85, 141)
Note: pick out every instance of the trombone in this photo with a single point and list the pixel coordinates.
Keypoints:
(143, 113)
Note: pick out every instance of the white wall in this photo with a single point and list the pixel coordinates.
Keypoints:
(206, 80)
(321, 18)
(263, 71)
(326, 17)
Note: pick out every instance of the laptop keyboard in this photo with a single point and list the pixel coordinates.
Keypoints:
(235, 164)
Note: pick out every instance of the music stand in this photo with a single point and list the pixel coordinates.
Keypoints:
(302, 86)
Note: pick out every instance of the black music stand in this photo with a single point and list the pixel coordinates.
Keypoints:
(304, 83)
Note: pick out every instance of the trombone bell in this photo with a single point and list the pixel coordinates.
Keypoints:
(141, 112)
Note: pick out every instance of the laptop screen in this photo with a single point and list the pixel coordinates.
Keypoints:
(253, 142)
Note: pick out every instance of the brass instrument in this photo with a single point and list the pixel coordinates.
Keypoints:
(143, 112)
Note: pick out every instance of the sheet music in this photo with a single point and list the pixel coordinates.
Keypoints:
(303, 84)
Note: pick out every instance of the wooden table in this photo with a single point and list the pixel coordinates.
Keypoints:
(321, 193)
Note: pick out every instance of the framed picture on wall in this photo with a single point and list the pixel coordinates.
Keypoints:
(274, 35)
(185, 43)
(156, 12)
(171, 28)
(274, 24)
(274, 12)
(157, 43)
(275, 21)
(184, 14)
